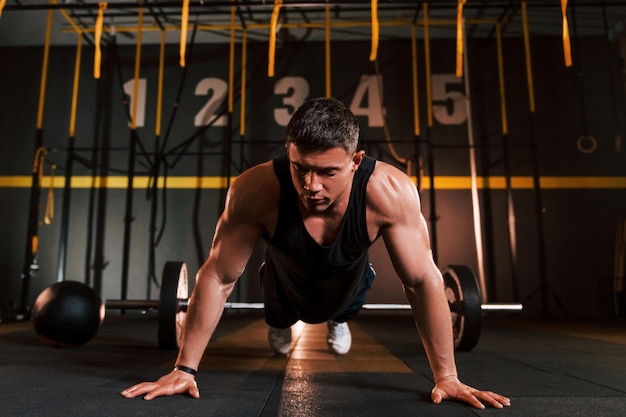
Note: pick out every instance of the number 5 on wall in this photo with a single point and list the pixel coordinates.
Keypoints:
(449, 106)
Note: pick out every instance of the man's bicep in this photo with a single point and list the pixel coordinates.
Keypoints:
(408, 245)
(233, 244)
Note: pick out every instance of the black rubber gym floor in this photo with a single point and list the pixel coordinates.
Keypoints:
(547, 368)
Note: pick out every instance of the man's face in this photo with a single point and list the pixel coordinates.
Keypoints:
(322, 177)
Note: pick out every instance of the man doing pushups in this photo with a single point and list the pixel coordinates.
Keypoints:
(319, 208)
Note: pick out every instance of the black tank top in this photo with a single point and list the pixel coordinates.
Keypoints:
(319, 281)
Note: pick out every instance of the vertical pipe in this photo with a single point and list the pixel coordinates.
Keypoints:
(242, 114)
(433, 218)
(128, 216)
(475, 197)
(67, 193)
(528, 61)
(30, 266)
(416, 117)
(231, 59)
(541, 244)
(154, 194)
(327, 52)
(510, 213)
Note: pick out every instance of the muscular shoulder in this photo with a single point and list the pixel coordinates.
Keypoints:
(391, 195)
(254, 196)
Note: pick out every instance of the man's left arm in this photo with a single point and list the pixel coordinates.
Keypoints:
(405, 234)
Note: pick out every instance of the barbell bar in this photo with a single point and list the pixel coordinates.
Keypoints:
(461, 289)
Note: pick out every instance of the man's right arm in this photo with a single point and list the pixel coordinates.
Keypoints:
(237, 233)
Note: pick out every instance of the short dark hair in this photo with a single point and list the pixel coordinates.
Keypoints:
(322, 124)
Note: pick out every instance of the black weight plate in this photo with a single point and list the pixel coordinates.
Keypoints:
(174, 287)
(465, 300)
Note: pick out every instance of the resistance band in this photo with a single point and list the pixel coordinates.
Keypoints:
(429, 95)
(184, 23)
(392, 149)
(272, 44)
(459, 38)
(40, 153)
(231, 60)
(49, 213)
(567, 50)
(159, 111)
(375, 31)
(44, 71)
(416, 119)
(98, 38)
(79, 48)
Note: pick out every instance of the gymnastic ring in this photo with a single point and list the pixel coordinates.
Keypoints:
(591, 148)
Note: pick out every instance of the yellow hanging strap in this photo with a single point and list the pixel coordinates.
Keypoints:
(459, 38)
(529, 68)
(272, 45)
(44, 71)
(73, 110)
(375, 30)
(184, 25)
(98, 34)
(40, 153)
(2, 4)
(567, 50)
(244, 52)
(159, 111)
(231, 59)
(49, 214)
(429, 94)
(416, 118)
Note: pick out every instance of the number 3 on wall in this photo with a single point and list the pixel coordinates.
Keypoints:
(294, 91)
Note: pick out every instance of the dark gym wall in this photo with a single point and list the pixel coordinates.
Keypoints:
(579, 214)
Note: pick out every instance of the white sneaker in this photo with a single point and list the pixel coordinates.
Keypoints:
(339, 337)
(279, 339)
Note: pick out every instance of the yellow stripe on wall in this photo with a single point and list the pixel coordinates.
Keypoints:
(216, 182)
(115, 182)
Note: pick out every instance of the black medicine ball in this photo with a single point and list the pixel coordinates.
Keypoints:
(68, 313)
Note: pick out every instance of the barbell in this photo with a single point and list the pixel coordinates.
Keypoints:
(461, 289)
